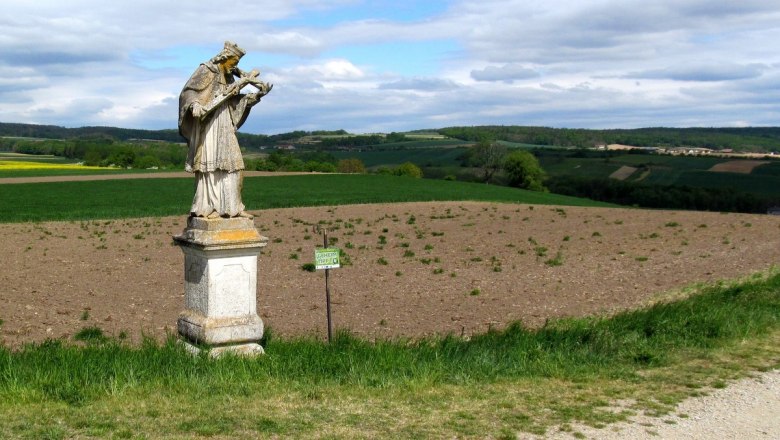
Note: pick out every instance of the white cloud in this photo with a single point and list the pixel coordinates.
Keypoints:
(557, 63)
(507, 73)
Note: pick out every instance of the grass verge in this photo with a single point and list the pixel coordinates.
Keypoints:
(497, 384)
(160, 197)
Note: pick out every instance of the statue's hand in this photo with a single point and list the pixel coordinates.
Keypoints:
(252, 98)
(197, 110)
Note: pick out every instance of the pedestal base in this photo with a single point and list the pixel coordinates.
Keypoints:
(220, 273)
(249, 350)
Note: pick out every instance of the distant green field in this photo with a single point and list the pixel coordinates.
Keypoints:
(669, 170)
(161, 197)
(419, 156)
(757, 184)
(770, 169)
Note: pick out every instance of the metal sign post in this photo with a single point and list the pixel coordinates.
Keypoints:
(327, 258)
(327, 289)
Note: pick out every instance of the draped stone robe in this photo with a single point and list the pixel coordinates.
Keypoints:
(214, 154)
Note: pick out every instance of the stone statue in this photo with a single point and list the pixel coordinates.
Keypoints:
(211, 109)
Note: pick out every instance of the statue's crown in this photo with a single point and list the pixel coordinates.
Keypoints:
(233, 49)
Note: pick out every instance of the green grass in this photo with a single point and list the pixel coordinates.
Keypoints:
(499, 383)
(161, 197)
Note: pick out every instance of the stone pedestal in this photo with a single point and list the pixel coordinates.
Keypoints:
(220, 285)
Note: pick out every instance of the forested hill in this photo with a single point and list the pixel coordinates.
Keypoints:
(252, 141)
(759, 139)
(55, 132)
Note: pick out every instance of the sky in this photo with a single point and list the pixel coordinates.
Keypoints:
(383, 66)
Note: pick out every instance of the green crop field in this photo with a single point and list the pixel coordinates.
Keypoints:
(580, 167)
(419, 156)
(669, 170)
(757, 184)
(160, 197)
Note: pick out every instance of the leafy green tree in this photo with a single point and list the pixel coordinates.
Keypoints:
(351, 166)
(408, 169)
(489, 156)
(523, 171)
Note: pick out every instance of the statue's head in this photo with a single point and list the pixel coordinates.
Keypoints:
(229, 55)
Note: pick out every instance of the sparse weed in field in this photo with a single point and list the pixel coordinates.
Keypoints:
(566, 238)
(408, 253)
(344, 258)
(382, 240)
(293, 256)
(596, 234)
(672, 224)
(438, 271)
(398, 273)
(428, 247)
(309, 267)
(641, 258)
(404, 245)
(540, 251)
(702, 226)
(532, 241)
(425, 260)
(349, 245)
(85, 315)
(411, 220)
(557, 261)
(475, 292)
(381, 261)
(277, 240)
(476, 259)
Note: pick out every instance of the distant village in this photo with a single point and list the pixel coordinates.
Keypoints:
(690, 151)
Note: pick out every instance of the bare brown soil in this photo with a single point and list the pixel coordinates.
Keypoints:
(623, 172)
(738, 166)
(474, 266)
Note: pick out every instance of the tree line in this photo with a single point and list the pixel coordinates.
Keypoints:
(759, 139)
(104, 152)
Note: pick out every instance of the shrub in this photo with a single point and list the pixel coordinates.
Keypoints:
(408, 169)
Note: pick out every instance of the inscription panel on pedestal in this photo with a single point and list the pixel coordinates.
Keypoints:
(233, 291)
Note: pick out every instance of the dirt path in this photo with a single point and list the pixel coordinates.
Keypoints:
(747, 409)
(120, 175)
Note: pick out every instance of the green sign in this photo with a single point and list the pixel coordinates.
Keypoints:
(326, 258)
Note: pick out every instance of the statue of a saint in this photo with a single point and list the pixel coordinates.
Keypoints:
(211, 109)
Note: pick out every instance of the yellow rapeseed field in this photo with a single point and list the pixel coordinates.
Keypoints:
(23, 165)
